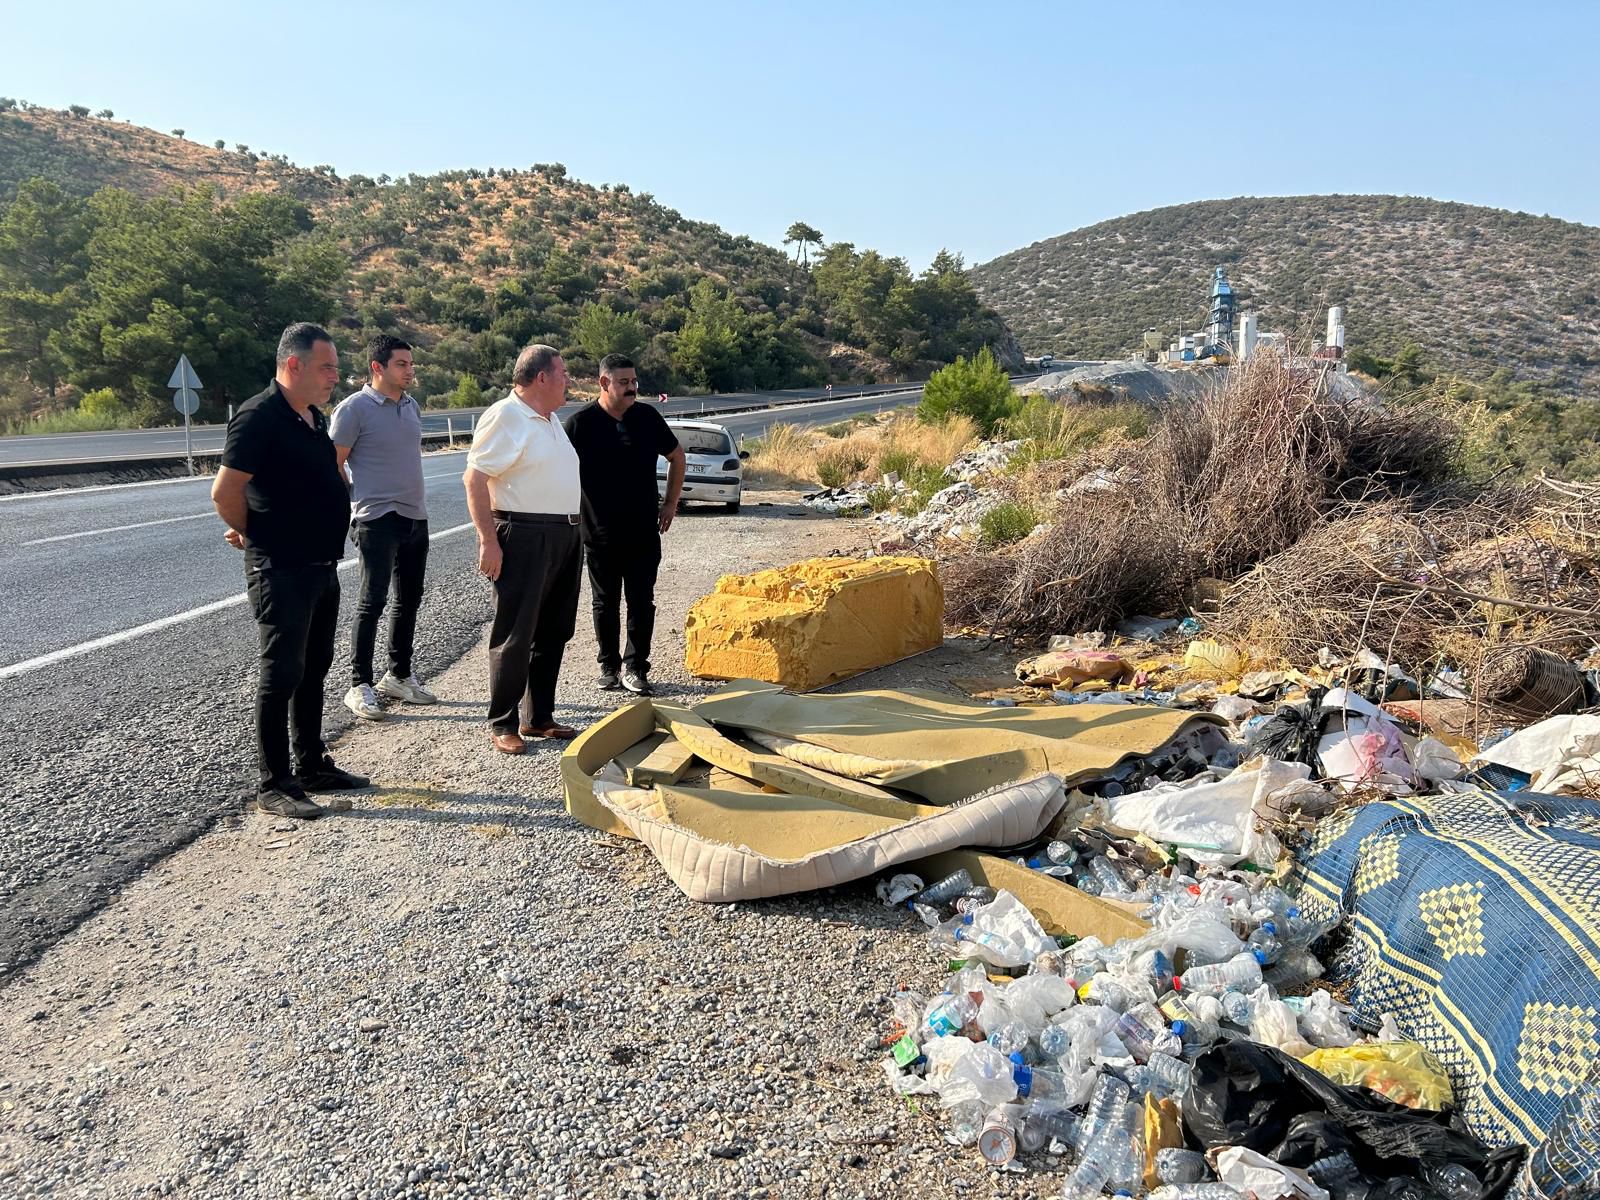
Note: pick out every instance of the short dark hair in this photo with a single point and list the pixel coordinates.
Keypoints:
(381, 349)
(533, 362)
(298, 339)
(615, 362)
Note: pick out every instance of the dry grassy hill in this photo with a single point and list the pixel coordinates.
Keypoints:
(1475, 288)
(470, 264)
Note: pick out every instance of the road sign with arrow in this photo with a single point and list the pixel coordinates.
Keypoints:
(186, 384)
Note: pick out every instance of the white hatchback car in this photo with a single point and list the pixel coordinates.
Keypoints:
(713, 465)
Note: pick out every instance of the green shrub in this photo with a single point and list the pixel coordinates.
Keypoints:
(1006, 523)
(467, 394)
(100, 405)
(838, 466)
(922, 482)
(979, 389)
(898, 462)
(1051, 429)
(880, 499)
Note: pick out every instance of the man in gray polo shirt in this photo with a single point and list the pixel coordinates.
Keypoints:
(377, 433)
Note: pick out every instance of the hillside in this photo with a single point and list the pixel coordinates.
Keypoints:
(468, 264)
(1476, 288)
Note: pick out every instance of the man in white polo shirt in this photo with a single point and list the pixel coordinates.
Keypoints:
(523, 496)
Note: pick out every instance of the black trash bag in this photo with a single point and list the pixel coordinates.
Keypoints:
(1291, 733)
(1246, 1094)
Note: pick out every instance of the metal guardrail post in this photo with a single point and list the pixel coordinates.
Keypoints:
(450, 430)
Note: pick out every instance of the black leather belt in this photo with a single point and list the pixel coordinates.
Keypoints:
(522, 518)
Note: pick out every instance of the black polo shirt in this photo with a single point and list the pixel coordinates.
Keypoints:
(617, 468)
(299, 502)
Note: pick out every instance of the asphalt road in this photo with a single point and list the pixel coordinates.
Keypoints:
(38, 449)
(127, 670)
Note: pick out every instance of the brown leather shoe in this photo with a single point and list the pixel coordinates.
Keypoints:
(559, 732)
(507, 743)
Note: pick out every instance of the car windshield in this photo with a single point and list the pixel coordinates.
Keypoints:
(703, 441)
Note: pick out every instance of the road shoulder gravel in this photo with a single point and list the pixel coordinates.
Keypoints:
(454, 989)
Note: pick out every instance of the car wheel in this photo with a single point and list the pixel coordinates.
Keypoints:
(731, 506)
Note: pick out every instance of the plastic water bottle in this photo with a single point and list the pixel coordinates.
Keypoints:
(1297, 967)
(1042, 1126)
(1111, 881)
(1170, 1073)
(1037, 1083)
(944, 892)
(1054, 1041)
(950, 1015)
(1303, 931)
(1266, 942)
(1142, 1041)
(1106, 1104)
(1241, 973)
(1336, 1172)
(1452, 1181)
(1177, 1165)
(1010, 1039)
(1107, 1157)
(1197, 1030)
(1195, 1191)
(1089, 885)
(1044, 866)
(966, 1122)
(1103, 989)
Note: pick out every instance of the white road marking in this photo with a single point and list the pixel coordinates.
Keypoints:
(57, 493)
(67, 537)
(127, 635)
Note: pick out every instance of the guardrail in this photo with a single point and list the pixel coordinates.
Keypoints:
(206, 460)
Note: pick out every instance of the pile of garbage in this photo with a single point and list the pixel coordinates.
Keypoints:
(951, 513)
(1190, 1062)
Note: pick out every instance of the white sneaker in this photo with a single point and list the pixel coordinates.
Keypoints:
(410, 690)
(363, 701)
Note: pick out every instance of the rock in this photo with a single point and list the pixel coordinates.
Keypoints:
(371, 1025)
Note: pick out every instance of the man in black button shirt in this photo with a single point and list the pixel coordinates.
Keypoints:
(287, 506)
(618, 441)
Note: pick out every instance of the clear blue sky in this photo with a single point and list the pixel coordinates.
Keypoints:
(903, 126)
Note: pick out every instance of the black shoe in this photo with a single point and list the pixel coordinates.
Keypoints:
(288, 801)
(325, 777)
(608, 681)
(636, 683)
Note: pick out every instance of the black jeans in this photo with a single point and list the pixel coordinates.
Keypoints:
(535, 612)
(624, 568)
(297, 612)
(395, 548)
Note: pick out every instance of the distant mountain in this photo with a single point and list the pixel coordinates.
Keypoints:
(1476, 288)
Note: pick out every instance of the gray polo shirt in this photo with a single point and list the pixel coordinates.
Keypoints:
(385, 440)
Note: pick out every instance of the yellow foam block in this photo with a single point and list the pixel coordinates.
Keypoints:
(815, 622)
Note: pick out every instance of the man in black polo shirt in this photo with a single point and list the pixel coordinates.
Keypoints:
(286, 504)
(618, 441)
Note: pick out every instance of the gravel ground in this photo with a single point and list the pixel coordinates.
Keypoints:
(455, 990)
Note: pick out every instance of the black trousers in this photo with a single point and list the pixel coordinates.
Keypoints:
(535, 612)
(624, 568)
(392, 548)
(297, 612)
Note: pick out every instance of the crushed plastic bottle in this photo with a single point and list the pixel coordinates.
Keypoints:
(1452, 1181)
(1143, 1032)
(1241, 973)
(1266, 943)
(1110, 879)
(1106, 1103)
(1105, 990)
(1169, 1074)
(1054, 1041)
(944, 892)
(1045, 1125)
(1175, 1164)
(1037, 1083)
(949, 1014)
(1195, 1191)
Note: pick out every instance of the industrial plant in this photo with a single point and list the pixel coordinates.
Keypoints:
(1232, 336)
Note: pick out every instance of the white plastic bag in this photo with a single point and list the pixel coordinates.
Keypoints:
(1253, 1173)
(982, 1073)
(1323, 1022)
(1005, 933)
(1214, 822)
(1273, 1023)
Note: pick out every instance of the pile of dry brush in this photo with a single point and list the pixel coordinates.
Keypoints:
(1334, 522)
